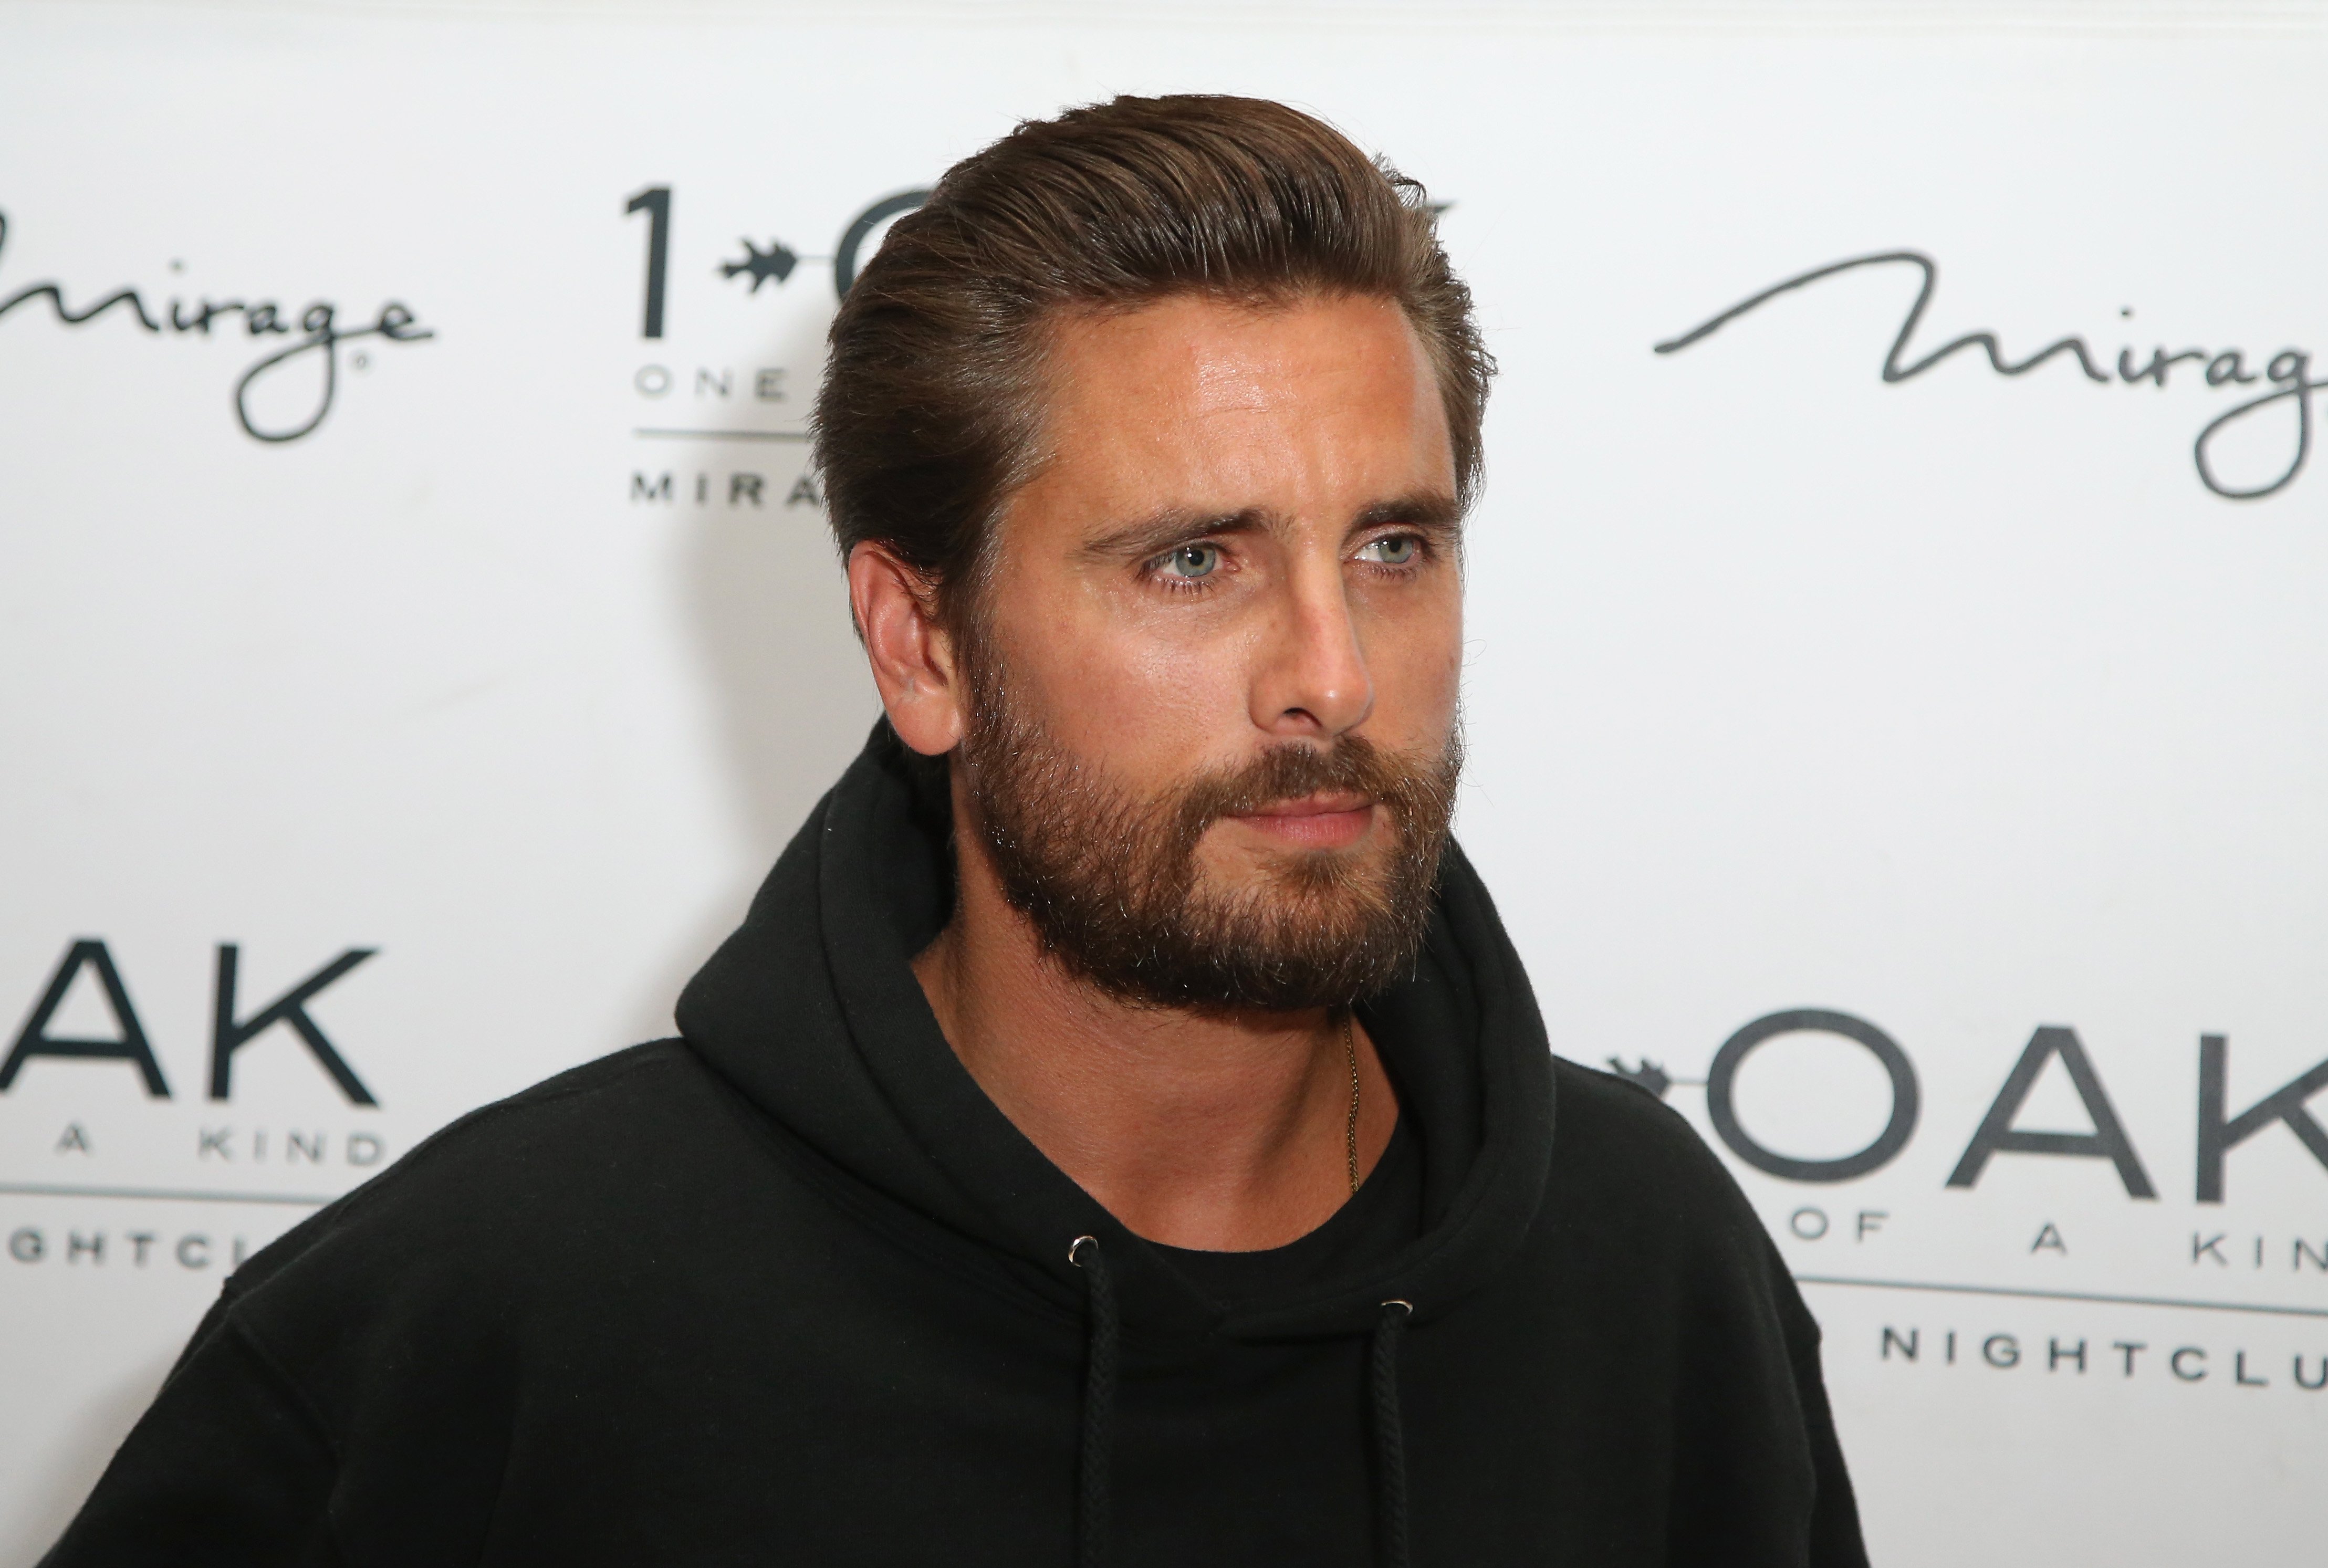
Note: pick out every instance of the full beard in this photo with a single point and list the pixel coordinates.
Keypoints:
(1112, 882)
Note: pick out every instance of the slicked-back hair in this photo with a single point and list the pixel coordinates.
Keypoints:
(930, 415)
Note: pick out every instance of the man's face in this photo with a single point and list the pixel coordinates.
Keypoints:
(1213, 684)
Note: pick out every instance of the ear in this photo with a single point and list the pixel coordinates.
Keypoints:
(913, 657)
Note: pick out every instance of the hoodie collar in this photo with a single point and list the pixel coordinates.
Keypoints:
(811, 1009)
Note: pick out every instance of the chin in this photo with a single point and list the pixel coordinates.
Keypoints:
(1325, 881)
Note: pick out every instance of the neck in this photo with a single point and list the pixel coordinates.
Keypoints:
(1223, 1130)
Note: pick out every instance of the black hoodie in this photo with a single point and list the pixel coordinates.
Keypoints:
(789, 1289)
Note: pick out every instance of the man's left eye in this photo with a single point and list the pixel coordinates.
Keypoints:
(1395, 549)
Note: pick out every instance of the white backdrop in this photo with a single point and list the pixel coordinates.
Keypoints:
(1957, 711)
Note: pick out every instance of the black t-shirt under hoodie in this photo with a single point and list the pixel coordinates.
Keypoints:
(789, 1289)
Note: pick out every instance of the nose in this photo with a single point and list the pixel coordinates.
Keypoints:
(1312, 681)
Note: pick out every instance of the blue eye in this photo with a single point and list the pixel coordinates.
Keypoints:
(1191, 560)
(1393, 551)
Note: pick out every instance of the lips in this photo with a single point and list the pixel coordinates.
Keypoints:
(1327, 820)
(1324, 803)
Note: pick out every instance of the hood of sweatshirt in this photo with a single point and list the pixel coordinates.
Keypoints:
(812, 1012)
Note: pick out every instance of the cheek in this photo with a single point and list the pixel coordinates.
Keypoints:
(1182, 699)
(1154, 707)
(1417, 665)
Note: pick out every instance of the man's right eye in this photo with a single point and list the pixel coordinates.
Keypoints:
(1190, 560)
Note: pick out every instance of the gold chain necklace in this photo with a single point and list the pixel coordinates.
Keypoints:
(1350, 1126)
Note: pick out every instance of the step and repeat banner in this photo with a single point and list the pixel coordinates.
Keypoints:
(1898, 663)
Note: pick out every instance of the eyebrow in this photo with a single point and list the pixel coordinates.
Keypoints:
(1160, 532)
(1151, 536)
(1433, 510)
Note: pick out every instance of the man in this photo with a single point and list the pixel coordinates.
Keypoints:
(1121, 1130)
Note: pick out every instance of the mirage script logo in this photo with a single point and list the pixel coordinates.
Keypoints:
(314, 333)
(2288, 373)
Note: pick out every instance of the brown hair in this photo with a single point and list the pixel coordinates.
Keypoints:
(928, 417)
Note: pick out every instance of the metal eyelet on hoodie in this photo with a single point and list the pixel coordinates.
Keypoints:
(1097, 1456)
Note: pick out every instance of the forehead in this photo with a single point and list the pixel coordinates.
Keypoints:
(1226, 403)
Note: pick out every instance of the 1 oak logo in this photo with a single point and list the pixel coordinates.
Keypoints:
(315, 335)
(229, 1033)
(772, 263)
(2220, 1132)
